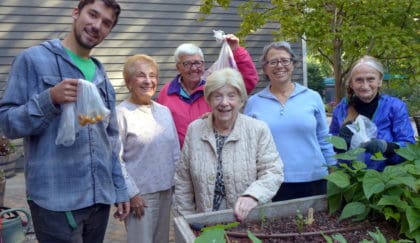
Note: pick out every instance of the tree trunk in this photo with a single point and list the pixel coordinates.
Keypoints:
(339, 84)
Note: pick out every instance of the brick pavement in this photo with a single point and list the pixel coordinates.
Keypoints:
(15, 198)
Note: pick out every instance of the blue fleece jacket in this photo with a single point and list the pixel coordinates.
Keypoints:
(299, 128)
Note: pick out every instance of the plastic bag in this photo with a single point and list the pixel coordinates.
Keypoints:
(67, 127)
(363, 130)
(88, 109)
(225, 59)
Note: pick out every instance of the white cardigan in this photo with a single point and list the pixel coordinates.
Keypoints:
(251, 165)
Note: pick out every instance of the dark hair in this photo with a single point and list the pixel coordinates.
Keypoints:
(109, 3)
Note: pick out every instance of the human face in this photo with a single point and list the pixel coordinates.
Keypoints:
(191, 68)
(225, 103)
(92, 24)
(278, 73)
(142, 83)
(365, 82)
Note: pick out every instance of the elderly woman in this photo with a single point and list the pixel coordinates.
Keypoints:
(228, 160)
(184, 94)
(150, 151)
(297, 119)
(388, 113)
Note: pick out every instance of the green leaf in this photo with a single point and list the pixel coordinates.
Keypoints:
(334, 203)
(327, 238)
(372, 183)
(253, 237)
(339, 178)
(411, 152)
(339, 238)
(352, 209)
(416, 201)
(408, 181)
(215, 235)
(389, 213)
(413, 218)
(391, 200)
(378, 236)
(377, 156)
(338, 142)
(351, 154)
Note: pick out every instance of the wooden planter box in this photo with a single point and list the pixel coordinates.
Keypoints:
(184, 234)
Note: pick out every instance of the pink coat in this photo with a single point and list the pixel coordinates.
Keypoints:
(185, 111)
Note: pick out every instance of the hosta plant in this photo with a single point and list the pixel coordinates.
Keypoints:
(394, 192)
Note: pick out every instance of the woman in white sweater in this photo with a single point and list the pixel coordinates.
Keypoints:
(150, 151)
(228, 160)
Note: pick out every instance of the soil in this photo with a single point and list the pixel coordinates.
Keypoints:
(285, 229)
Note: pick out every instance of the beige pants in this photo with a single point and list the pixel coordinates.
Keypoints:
(153, 227)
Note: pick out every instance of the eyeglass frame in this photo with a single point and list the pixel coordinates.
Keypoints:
(189, 64)
(281, 61)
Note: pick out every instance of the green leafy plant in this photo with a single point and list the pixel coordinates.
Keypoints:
(377, 237)
(393, 193)
(262, 215)
(6, 147)
(217, 234)
(300, 221)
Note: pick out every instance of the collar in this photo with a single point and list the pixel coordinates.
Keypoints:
(175, 88)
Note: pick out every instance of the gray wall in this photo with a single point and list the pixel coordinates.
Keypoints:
(154, 27)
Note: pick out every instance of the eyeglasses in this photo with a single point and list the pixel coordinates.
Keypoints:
(284, 62)
(189, 64)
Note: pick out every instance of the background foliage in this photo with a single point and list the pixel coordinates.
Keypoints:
(340, 31)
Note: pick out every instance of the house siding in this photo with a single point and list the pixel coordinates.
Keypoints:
(153, 27)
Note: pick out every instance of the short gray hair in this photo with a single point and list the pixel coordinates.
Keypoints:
(220, 78)
(187, 49)
(279, 45)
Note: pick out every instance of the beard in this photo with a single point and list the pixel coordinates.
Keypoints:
(83, 42)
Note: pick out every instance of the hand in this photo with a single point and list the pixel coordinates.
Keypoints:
(345, 133)
(233, 41)
(137, 204)
(123, 209)
(64, 92)
(374, 146)
(243, 206)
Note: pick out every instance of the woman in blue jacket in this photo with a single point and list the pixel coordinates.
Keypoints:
(388, 113)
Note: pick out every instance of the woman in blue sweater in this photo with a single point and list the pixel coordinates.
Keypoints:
(388, 113)
(297, 120)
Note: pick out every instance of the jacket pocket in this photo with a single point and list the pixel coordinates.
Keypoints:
(50, 81)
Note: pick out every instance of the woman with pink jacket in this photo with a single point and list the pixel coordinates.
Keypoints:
(184, 95)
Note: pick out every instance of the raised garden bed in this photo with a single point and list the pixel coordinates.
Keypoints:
(280, 219)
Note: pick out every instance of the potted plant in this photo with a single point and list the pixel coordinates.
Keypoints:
(8, 157)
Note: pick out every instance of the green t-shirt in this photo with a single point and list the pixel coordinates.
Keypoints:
(86, 65)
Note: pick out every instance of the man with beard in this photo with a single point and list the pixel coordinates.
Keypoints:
(69, 188)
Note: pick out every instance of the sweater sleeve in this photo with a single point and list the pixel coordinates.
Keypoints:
(184, 201)
(269, 169)
(246, 68)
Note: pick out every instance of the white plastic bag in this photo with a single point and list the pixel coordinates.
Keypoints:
(225, 59)
(363, 130)
(67, 127)
(88, 109)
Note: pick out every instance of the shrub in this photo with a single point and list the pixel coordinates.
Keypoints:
(394, 193)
